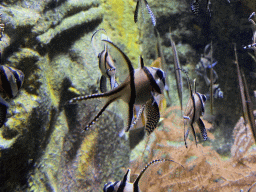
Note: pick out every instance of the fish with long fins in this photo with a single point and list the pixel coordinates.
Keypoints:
(194, 110)
(140, 87)
(125, 185)
(253, 45)
(245, 97)
(11, 80)
(177, 68)
(211, 83)
(106, 65)
(163, 62)
(145, 3)
(249, 104)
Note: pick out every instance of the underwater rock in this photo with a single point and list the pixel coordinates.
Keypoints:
(42, 144)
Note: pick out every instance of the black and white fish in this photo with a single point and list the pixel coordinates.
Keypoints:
(194, 110)
(125, 185)
(195, 7)
(144, 3)
(106, 65)
(140, 88)
(11, 80)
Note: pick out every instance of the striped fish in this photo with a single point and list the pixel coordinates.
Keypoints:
(125, 185)
(139, 88)
(195, 7)
(11, 80)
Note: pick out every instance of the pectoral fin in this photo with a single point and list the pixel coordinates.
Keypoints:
(103, 84)
(202, 129)
(152, 114)
(136, 12)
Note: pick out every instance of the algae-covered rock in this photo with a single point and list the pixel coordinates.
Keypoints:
(43, 146)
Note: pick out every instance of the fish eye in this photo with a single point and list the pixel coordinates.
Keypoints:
(160, 73)
(204, 98)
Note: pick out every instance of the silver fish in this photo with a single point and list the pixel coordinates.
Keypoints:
(125, 185)
(140, 87)
(194, 110)
(107, 67)
(177, 68)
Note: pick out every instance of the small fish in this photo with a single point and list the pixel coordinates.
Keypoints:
(1, 27)
(178, 76)
(145, 3)
(195, 7)
(11, 80)
(160, 54)
(107, 67)
(195, 109)
(252, 46)
(245, 97)
(217, 92)
(139, 88)
(125, 185)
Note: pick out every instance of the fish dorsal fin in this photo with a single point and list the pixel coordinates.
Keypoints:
(132, 83)
(124, 181)
(93, 43)
(136, 182)
(141, 62)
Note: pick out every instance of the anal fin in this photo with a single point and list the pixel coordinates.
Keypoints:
(152, 115)
(202, 129)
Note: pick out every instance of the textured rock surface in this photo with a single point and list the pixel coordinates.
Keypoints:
(42, 145)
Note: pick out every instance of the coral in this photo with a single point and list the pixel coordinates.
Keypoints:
(204, 169)
(243, 140)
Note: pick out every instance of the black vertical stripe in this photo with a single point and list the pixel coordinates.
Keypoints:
(4, 73)
(152, 80)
